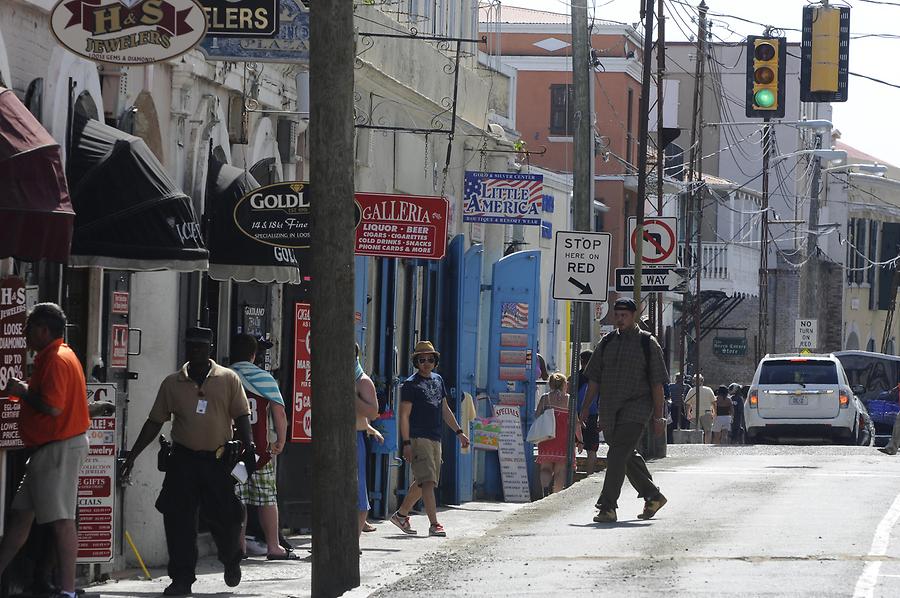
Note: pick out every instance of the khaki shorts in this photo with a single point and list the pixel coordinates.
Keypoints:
(426, 463)
(50, 485)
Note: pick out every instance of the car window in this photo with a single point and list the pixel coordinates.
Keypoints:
(798, 372)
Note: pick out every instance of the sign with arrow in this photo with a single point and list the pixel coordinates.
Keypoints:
(660, 239)
(652, 279)
(581, 266)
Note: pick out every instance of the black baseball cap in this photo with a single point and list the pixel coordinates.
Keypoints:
(625, 303)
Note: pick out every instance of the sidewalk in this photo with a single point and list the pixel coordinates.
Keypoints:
(388, 555)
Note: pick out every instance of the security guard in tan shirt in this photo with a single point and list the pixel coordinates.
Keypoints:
(202, 399)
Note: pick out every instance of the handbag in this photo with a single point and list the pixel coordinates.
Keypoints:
(543, 428)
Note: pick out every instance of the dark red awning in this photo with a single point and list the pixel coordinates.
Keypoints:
(35, 209)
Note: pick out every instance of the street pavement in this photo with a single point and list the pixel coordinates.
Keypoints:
(741, 521)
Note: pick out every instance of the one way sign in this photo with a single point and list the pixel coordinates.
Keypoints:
(652, 279)
(581, 266)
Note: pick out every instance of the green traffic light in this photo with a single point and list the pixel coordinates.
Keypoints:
(764, 98)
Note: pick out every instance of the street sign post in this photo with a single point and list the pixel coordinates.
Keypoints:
(581, 266)
(652, 279)
(660, 239)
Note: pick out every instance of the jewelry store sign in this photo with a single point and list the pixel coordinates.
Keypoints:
(241, 18)
(128, 32)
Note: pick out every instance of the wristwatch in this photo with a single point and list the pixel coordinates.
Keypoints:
(458, 432)
(406, 443)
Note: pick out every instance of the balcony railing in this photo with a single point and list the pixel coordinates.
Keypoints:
(727, 267)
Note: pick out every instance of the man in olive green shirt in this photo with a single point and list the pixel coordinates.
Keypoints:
(628, 371)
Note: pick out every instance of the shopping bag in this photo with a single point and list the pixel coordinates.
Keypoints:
(543, 428)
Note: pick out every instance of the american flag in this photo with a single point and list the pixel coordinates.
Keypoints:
(533, 183)
(514, 315)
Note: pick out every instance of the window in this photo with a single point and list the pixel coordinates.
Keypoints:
(798, 372)
(546, 229)
(547, 203)
(562, 112)
(629, 118)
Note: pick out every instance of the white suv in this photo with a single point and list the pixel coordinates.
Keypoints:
(801, 395)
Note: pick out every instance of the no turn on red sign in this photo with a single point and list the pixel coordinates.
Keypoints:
(660, 240)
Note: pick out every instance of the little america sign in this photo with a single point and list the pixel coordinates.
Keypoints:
(128, 31)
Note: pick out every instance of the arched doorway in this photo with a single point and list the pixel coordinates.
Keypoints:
(852, 343)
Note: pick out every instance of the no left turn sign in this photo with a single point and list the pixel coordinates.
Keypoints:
(660, 240)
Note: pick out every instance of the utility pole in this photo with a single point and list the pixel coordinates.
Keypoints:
(335, 556)
(809, 303)
(660, 148)
(763, 333)
(582, 194)
(695, 175)
(643, 126)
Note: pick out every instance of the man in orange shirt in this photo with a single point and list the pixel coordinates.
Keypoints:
(52, 423)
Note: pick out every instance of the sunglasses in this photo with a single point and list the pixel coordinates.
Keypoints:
(425, 360)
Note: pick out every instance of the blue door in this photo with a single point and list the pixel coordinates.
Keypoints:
(462, 276)
(361, 299)
(515, 313)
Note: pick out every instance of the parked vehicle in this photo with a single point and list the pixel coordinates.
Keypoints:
(873, 377)
(802, 396)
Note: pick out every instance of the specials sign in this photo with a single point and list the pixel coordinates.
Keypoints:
(276, 214)
(402, 226)
(241, 18)
(128, 31)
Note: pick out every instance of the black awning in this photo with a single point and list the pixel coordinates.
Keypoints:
(129, 214)
(233, 255)
(35, 208)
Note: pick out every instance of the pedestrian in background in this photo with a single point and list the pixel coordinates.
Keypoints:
(366, 410)
(553, 453)
(736, 395)
(52, 422)
(721, 426)
(264, 398)
(893, 445)
(590, 430)
(202, 399)
(707, 406)
(423, 410)
(677, 391)
(628, 370)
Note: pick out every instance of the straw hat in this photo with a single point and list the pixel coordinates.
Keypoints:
(424, 347)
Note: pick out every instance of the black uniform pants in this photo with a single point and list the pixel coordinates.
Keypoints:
(197, 480)
(623, 460)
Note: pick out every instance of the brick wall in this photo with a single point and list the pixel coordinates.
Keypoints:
(29, 43)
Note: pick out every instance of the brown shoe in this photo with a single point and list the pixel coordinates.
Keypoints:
(652, 506)
(605, 516)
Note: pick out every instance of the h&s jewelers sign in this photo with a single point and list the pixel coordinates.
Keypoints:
(128, 31)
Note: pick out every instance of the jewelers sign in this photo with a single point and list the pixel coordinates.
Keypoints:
(128, 31)
(503, 198)
(403, 226)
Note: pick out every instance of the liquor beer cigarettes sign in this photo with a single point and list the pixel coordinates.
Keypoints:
(401, 226)
(128, 31)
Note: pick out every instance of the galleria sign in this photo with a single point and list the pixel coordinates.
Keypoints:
(129, 32)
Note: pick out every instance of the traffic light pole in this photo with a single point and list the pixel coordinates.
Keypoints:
(809, 304)
(643, 126)
(763, 333)
(692, 258)
(660, 147)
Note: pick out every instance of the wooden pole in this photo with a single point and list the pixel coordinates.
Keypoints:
(335, 542)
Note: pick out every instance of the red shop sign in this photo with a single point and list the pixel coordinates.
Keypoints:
(403, 226)
(301, 422)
